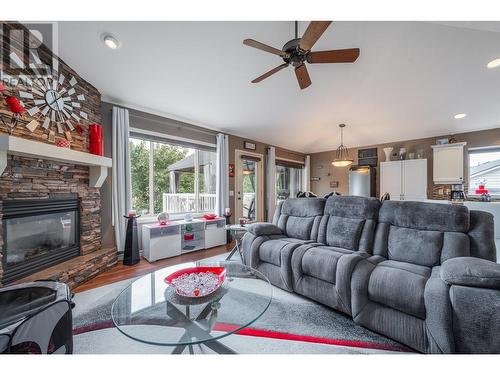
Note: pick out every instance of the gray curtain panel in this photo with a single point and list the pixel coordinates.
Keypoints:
(222, 183)
(270, 182)
(122, 191)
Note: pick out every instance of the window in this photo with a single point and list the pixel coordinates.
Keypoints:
(171, 177)
(288, 180)
(484, 170)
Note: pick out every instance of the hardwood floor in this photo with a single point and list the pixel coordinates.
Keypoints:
(121, 272)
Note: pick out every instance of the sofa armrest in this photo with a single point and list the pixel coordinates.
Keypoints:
(470, 271)
(263, 229)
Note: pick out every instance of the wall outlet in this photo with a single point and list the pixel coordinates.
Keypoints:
(231, 193)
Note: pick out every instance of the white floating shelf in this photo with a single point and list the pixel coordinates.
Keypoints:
(98, 165)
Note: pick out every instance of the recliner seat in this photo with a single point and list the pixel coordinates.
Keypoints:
(322, 271)
(412, 239)
(296, 222)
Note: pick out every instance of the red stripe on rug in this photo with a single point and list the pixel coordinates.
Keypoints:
(93, 327)
(224, 327)
(313, 339)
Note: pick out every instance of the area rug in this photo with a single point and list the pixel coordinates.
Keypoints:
(292, 324)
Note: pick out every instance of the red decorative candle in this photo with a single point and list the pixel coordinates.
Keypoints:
(95, 139)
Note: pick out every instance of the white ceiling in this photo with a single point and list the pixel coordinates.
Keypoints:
(409, 81)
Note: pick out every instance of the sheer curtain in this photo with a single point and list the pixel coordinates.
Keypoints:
(122, 191)
(306, 175)
(222, 174)
(270, 182)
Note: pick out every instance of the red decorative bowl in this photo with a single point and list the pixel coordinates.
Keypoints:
(210, 216)
(197, 282)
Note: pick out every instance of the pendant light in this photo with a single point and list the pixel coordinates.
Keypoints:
(342, 158)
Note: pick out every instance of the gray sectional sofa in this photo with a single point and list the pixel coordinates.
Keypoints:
(423, 274)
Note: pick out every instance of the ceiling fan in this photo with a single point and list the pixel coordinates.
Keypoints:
(298, 51)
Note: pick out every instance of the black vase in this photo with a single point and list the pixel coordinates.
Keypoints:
(131, 251)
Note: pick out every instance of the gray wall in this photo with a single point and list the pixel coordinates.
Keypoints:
(108, 237)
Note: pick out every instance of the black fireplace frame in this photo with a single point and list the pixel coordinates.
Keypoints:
(32, 207)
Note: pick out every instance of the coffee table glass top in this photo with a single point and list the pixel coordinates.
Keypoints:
(150, 311)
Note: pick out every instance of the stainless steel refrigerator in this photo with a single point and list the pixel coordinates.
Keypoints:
(362, 181)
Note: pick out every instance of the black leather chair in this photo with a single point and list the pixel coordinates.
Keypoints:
(36, 318)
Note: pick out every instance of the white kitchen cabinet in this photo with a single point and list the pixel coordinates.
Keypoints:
(448, 164)
(415, 179)
(390, 178)
(404, 179)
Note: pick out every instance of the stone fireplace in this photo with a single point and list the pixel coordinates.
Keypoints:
(50, 223)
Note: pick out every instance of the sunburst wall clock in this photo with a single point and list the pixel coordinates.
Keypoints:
(51, 98)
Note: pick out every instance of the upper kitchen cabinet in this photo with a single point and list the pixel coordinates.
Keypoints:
(404, 179)
(448, 166)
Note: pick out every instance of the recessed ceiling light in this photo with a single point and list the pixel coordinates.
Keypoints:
(460, 115)
(110, 41)
(493, 64)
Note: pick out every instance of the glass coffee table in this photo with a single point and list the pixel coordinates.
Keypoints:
(150, 311)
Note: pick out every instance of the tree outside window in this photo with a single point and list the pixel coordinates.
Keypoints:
(163, 177)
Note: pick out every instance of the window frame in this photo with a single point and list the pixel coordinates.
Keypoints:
(170, 139)
(292, 164)
(478, 150)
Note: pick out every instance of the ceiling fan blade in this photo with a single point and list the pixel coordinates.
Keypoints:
(312, 34)
(302, 76)
(335, 56)
(269, 73)
(264, 47)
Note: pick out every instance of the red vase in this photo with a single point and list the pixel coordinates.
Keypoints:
(95, 139)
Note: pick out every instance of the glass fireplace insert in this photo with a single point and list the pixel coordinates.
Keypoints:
(38, 234)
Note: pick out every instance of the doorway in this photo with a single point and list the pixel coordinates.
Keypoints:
(249, 186)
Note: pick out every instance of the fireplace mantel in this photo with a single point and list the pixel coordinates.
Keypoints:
(98, 165)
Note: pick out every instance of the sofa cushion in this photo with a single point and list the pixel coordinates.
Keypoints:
(321, 262)
(303, 207)
(469, 271)
(344, 232)
(421, 247)
(422, 233)
(264, 229)
(270, 251)
(425, 216)
(299, 217)
(298, 227)
(400, 286)
(349, 222)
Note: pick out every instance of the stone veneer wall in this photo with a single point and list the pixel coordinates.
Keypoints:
(28, 178)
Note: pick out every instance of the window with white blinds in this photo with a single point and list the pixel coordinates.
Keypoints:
(484, 171)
